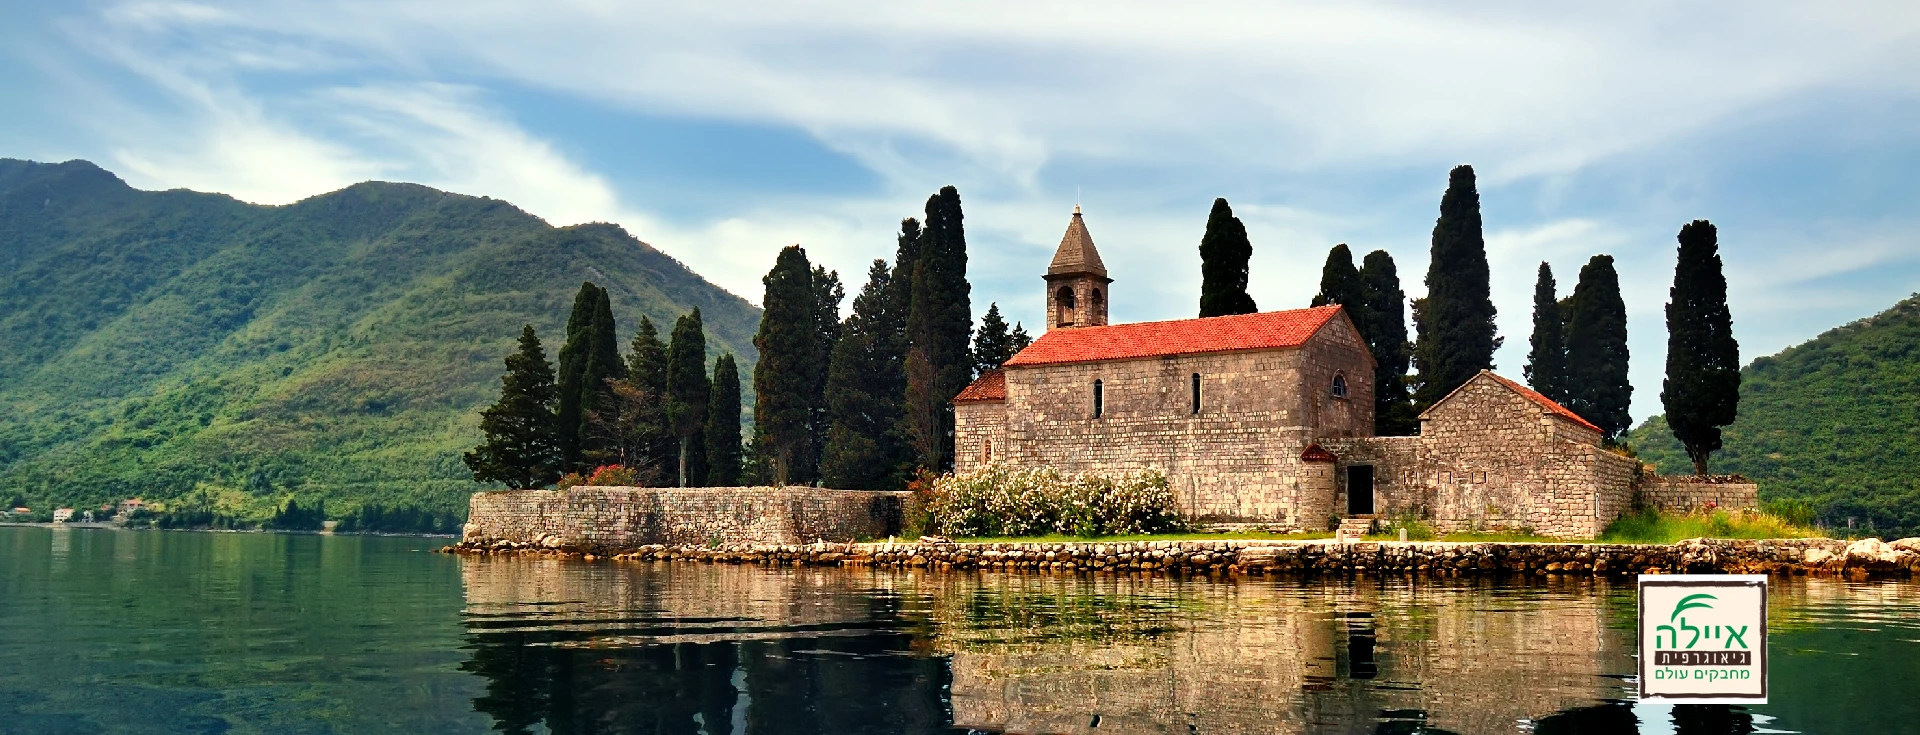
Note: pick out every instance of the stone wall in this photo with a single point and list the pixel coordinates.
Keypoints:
(608, 518)
(1685, 493)
(979, 434)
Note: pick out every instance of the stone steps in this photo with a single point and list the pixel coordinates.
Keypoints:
(1355, 527)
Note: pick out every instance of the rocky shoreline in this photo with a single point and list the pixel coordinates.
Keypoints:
(1861, 559)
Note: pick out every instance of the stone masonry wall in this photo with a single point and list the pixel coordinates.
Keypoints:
(979, 434)
(1236, 460)
(1685, 494)
(626, 517)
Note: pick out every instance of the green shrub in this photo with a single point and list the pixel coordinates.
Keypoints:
(1649, 526)
(1001, 501)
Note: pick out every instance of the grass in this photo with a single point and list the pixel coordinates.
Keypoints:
(1651, 527)
(1063, 538)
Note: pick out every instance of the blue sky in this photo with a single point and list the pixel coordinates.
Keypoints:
(721, 132)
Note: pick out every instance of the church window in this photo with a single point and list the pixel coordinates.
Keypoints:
(1099, 305)
(1099, 399)
(1339, 386)
(986, 450)
(1064, 304)
(1196, 394)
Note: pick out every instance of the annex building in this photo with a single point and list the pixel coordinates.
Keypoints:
(1268, 418)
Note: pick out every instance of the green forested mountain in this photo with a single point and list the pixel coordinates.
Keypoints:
(179, 345)
(1835, 421)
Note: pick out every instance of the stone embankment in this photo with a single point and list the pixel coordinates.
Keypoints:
(1856, 559)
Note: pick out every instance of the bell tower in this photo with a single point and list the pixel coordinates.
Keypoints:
(1076, 281)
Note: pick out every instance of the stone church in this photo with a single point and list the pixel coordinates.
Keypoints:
(1267, 418)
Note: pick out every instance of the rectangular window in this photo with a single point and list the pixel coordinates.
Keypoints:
(1196, 394)
(1099, 399)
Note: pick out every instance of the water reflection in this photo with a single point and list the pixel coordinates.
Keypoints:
(714, 649)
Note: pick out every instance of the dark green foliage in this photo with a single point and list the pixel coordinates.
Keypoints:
(1597, 386)
(572, 375)
(338, 348)
(647, 372)
(1546, 368)
(1457, 336)
(1834, 422)
(1382, 318)
(1018, 340)
(939, 328)
(376, 518)
(1224, 253)
(294, 517)
(688, 394)
(827, 295)
(1340, 283)
(522, 444)
(865, 388)
(1702, 389)
(603, 364)
(992, 343)
(789, 346)
(723, 425)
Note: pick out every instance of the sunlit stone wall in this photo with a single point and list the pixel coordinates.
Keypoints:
(1687, 494)
(627, 517)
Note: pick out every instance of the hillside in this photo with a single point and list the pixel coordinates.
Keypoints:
(162, 344)
(1835, 421)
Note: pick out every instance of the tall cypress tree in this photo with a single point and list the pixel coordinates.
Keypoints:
(1224, 253)
(827, 295)
(1597, 386)
(992, 343)
(647, 370)
(522, 448)
(603, 363)
(1702, 389)
(1546, 368)
(865, 449)
(939, 330)
(688, 393)
(573, 365)
(1340, 284)
(1385, 314)
(1455, 319)
(723, 425)
(788, 341)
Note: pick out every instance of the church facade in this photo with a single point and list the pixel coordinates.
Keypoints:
(1267, 418)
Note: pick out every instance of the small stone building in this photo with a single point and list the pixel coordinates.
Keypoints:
(1268, 418)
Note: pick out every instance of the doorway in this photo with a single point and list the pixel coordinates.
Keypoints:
(1360, 490)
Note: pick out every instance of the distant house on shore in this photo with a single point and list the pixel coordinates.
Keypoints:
(128, 506)
(62, 515)
(1267, 418)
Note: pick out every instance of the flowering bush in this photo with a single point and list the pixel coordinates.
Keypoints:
(612, 475)
(997, 500)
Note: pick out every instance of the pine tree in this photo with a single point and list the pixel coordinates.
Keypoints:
(522, 448)
(688, 393)
(1546, 368)
(1019, 340)
(603, 364)
(787, 341)
(647, 372)
(992, 344)
(1702, 389)
(1224, 252)
(1455, 319)
(1340, 284)
(573, 366)
(723, 425)
(1597, 386)
(939, 328)
(1384, 312)
(864, 449)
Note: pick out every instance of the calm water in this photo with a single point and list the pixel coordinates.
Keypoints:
(119, 631)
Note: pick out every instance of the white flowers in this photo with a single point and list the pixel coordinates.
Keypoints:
(997, 500)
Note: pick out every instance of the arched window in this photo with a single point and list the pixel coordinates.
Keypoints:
(1063, 301)
(1196, 394)
(1099, 399)
(1099, 307)
(1339, 386)
(986, 451)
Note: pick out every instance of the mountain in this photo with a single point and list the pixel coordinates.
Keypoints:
(174, 343)
(1835, 422)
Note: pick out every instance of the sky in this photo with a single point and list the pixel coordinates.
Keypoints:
(721, 132)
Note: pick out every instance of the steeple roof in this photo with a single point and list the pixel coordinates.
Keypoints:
(1076, 253)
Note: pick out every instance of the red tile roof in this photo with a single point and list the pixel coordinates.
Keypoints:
(1266, 330)
(1545, 402)
(1317, 453)
(990, 386)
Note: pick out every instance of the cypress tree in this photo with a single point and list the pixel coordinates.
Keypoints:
(1597, 386)
(723, 425)
(1702, 390)
(787, 342)
(1340, 284)
(1546, 368)
(992, 344)
(573, 365)
(688, 393)
(522, 447)
(939, 328)
(827, 295)
(647, 370)
(1455, 319)
(1384, 312)
(1224, 252)
(602, 364)
(864, 449)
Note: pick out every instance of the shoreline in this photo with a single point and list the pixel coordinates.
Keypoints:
(1859, 559)
(106, 526)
